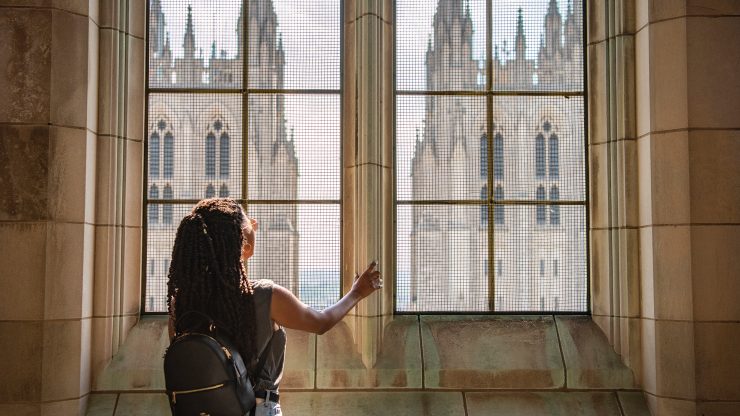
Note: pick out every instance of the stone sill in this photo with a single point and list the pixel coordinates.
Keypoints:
(433, 361)
(460, 352)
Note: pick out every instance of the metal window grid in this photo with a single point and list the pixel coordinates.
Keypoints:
(319, 206)
(489, 91)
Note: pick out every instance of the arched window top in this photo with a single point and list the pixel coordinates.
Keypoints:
(554, 193)
(210, 191)
(224, 155)
(153, 209)
(539, 155)
(169, 156)
(210, 156)
(484, 208)
(498, 210)
(167, 208)
(483, 155)
(540, 210)
(498, 156)
(554, 156)
(554, 209)
(213, 162)
(160, 128)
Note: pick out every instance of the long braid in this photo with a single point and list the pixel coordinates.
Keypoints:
(207, 274)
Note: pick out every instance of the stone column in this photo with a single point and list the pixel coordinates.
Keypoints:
(51, 174)
(615, 285)
(688, 93)
(368, 188)
(119, 164)
(48, 120)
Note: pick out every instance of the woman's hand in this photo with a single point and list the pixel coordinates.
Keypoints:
(368, 282)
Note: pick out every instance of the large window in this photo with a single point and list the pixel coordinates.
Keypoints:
(490, 125)
(243, 100)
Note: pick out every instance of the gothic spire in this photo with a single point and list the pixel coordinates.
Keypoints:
(157, 29)
(188, 44)
(520, 45)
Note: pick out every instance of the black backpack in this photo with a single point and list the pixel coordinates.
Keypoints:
(205, 374)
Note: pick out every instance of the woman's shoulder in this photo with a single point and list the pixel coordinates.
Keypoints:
(263, 285)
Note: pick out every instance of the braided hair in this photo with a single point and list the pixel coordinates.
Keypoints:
(206, 273)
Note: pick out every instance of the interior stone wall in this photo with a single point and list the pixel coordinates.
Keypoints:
(664, 148)
(664, 164)
(70, 195)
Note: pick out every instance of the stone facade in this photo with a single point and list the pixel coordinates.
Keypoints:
(538, 154)
(195, 142)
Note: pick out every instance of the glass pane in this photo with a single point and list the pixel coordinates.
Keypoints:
(294, 44)
(294, 148)
(541, 267)
(438, 147)
(445, 249)
(297, 246)
(537, 45)
(440, 47)
(159, 241)
(194, 44)
(193, 121)
(543, 145)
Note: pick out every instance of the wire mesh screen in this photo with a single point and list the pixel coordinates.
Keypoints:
(490, 137)
(442, 258)
(540, 265)
(307, 35)
(297, 246)
(273, 146)
(195, 145)
(292, 131)
(162, 223)
(443, 168)
(195, 44)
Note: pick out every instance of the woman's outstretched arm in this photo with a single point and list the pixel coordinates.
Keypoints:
(288, 311)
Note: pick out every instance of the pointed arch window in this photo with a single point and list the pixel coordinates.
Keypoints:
(223, 191)
(210, 191)
(498, 156)
(554, 156)
(154, 155)
(539, 150)
(483, 156)
(224, 157)
(498, 210)
(484, 208)
(153, 216)
(554, 208)
(168, 159)
(167, 208)
(540, 208)
(210, 155)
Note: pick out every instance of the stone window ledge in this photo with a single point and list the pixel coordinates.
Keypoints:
(427, 360)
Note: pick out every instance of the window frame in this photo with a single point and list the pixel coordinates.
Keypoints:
(489, 92)
(244, 91)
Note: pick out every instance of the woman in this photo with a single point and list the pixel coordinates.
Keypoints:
(207, 274)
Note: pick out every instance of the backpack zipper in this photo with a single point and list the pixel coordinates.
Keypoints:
(175, 393)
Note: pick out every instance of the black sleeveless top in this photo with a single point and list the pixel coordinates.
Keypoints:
(272, 372)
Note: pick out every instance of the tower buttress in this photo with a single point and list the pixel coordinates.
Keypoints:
(188, 44)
